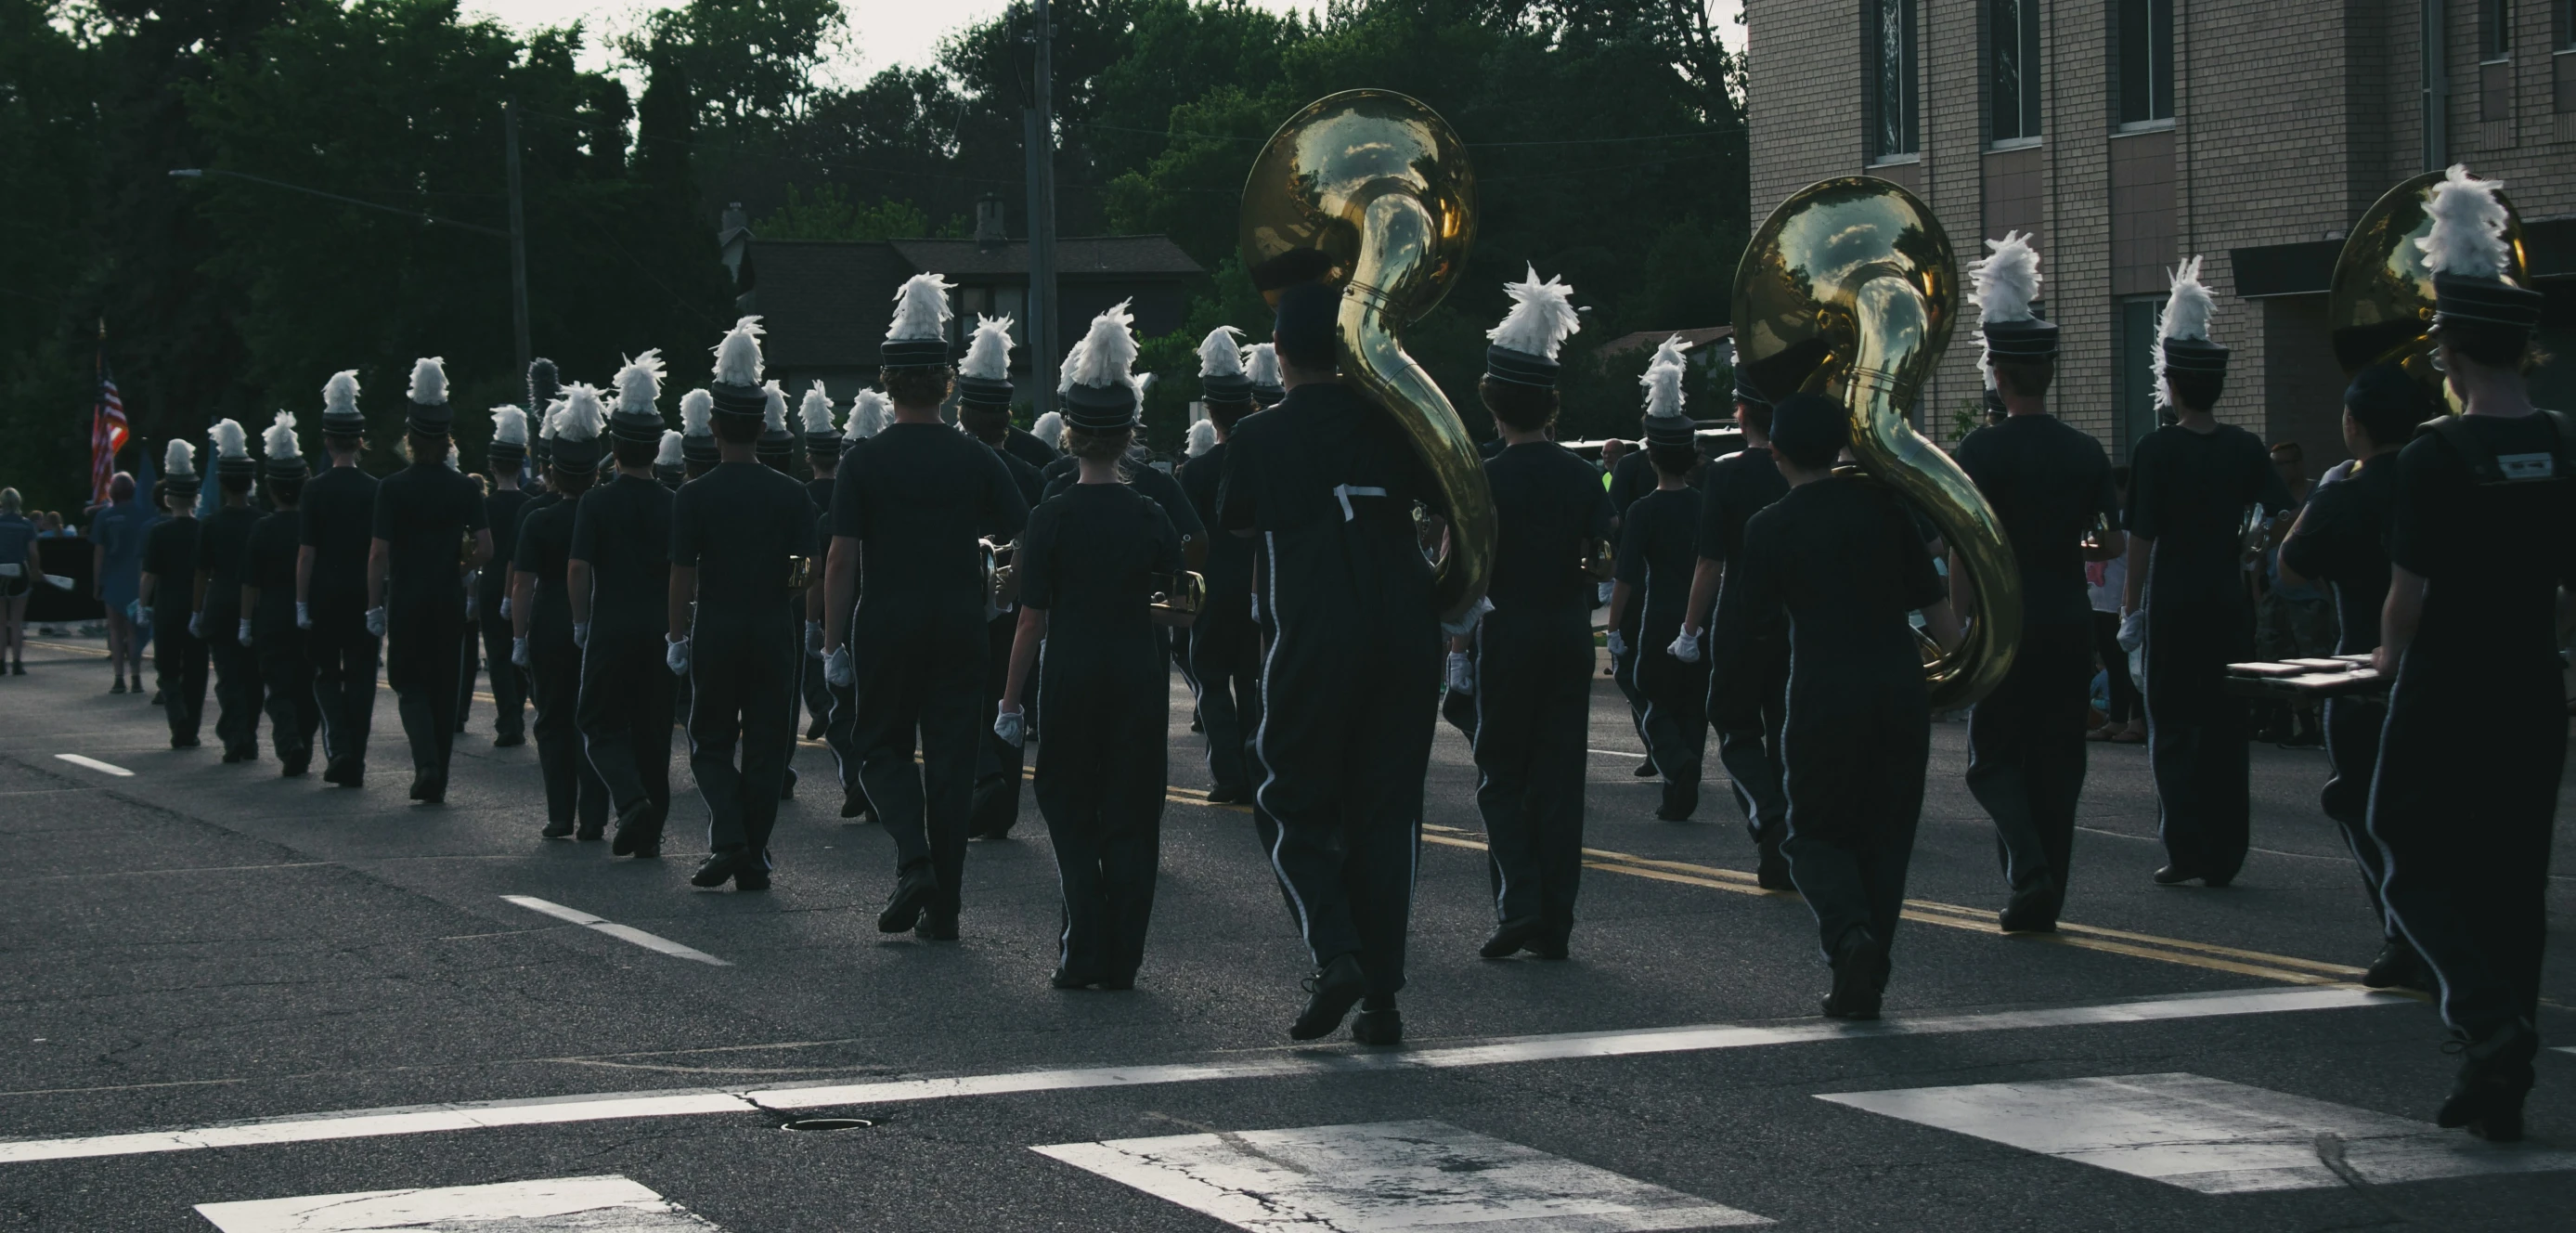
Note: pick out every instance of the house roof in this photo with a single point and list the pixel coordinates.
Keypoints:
(1075, 256)
(825, 304)
(1692, 340)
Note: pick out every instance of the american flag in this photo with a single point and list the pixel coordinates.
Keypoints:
(107, 434)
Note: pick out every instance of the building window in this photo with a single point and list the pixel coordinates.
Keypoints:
(2143, 44)
(2014, 60)
(2133, 406)
(1894, 131)
(2495, 29)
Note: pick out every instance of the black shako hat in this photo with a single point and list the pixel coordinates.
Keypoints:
(1526, 342)
(430, 415)
(1746, 392)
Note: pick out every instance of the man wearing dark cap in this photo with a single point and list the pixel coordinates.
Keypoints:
(904, 618)
(1732, 490)
(168, 591)
(2190, 484)
(334, 518)
(268, 606)
(1328, 482)
(2341, 539)
(984, 412)
(223, 551)
(428, 529)
(507, 452)
(2050, 487)
(1834, 568)
(618, 572)
(742, 544)
(546, 641)
(2481, 556)
(1225, 645)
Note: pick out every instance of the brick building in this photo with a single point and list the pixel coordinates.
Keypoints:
(2128, 134)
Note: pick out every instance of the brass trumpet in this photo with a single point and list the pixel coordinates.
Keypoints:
(2379, 301)
(1378, 187)
(1849, 290)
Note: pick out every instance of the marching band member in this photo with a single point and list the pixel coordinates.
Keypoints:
(776, 450)
(337, 512)
(617, 577)
(984, 413)
(1086, 567)
(415, 590)
(268, 605)
(869, 412)
(505, 455)
(671, 462)
(1531, 675)
(823, 458)
(1732, 490)
(548, 644)
(223, 543)
(697, 434)
(1658, 544)
(1225, 645)
(167, 595)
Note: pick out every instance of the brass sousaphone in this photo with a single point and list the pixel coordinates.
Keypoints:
(2380, 299)
(1374, 191)
(1849, 290)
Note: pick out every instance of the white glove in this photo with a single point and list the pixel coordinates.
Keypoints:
(376, 620)
(303, 615)
(471, 601)
(1008, 725)
(1603, 594)
(837, 669)
(1466, 624)
(243, 636)
(137, 613)
(1685, 647)
(581, 634)
(1462, 673)
(1618, 645)
(505, 607)
(197, 625)
(676, 654)
(814, 639)
(519, 651)
(2133, 630)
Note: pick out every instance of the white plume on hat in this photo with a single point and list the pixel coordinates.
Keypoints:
(696, 409)
(1541, 318)
(278, 439)
(1221, 353)
(988, 356)
(670, 455)
(340, 393)
(1106, 355)
(1663, 380)
(230, 441)
(509, 426)
(429, 379)
(582, 414)
(1202, 437)
(2006, 283)
(639, 385)
(2186, 315)
(1050, 429)
(773, 406)
(1261, 364)
(867, 416)
(2468, 235)
(738, 355)
(546, 418)
(920, 309)
(179, 460)
(816, 411)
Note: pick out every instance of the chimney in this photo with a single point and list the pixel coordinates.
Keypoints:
(989, 232)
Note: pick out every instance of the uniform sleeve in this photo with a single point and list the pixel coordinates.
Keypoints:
(1921, 584)
(308, 521)
(2316, 548)
(1033, 561)
(2426, 487)
(684, 532)
(523, 552)
(2145, 519)
(849, 508)
(585, 532)
(1629, 565)
(1006, 511)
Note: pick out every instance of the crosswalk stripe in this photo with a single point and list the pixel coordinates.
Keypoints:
(1389, 1177)
(613, 1106)
(549, 1205)
(623, 933)
(2205, 1134)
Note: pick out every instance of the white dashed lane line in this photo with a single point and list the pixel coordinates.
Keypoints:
(623, 933)
(96, 765)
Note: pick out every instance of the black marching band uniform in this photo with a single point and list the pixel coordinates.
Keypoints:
(334, 525)
(1328, 482)
(576, 797)
(223, 552)
(984, 413)
(2190, 485)
(1531, 675)
(504, 455)
(429, 527)
(2050, 486)
(170, 561)
(1732, 490)
(1224, 645)
(776, 450)
(1836, 566)
(909, 508)
(1657, 559)
(294, 715)
(1086, 566)
(621, 534)
(823, 458)
(745, 534)
(841, 718)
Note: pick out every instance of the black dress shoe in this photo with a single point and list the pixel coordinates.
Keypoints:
(1770, 869)
(1331, 994)
(1510, 936)
(1680, 801)
(1071, 980)
(294, 762)
(1646, 770)
(936, 927)
(184, 742)
(750, 877)
(787, 785)
(118, 687)
(1857, 961)
(2175, 875)
(1379, 1027)
(854, 802)
(429, 788)
(558, 829)
(2495, 1076)
(2397, 967)
(509, 740)
(1229, 796)
(814, 730)
(718, 869)
(2032, 909)
(631, 824)
(1118, 984)
(912, 893)
(590, 832)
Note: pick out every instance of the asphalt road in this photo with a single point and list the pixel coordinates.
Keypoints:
(206, 969)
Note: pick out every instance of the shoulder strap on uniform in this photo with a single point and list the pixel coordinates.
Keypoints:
(2454, 432)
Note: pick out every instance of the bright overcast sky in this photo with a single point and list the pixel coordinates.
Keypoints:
(883, 32)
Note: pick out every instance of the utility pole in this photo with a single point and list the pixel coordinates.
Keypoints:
(1039, 140)
(518, 239)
